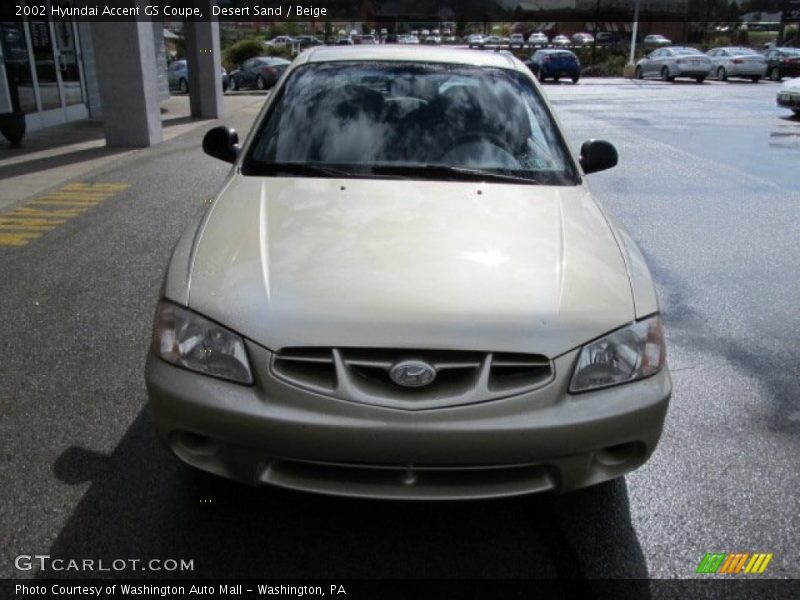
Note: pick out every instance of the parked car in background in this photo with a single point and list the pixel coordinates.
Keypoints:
(307, 41)
(604, 37)
(433, 39)
(516, 39)
(789, 95)
(551, 63)
(344, 40)
(672, 62)
(178, 76)
(495, 40)
(656, 40)
(583, 39)
(538, 39)
(733, 61)
(783, 62)
(476, 40)
(560, 40)
(504, 339)
(366, 39)
(261, 72)
(391, 38)
(281, 41)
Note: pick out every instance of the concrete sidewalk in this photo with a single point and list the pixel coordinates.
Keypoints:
(50, 157)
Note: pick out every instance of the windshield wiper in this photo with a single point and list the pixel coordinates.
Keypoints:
(462, 173)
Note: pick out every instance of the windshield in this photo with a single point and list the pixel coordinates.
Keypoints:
(410, 120)
(687, 52)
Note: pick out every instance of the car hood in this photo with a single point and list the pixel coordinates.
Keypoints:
(417, 264)
(793, 85)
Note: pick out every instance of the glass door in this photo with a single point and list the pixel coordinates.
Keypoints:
(66, 52)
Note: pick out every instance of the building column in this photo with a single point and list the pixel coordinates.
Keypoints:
(203, 58)
(125, 63)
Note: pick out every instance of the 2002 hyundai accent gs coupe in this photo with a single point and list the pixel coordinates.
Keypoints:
(405, 290)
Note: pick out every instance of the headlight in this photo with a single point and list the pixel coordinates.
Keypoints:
(627, 354)
(188, 340)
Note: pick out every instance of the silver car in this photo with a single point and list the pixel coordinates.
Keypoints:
(672, 62)
(789, 95)
(732, 61)
(404, 289)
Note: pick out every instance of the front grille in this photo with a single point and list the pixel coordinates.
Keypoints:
(363, 375)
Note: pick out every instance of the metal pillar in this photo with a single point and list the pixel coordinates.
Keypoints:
(127, 81)
(203, 58)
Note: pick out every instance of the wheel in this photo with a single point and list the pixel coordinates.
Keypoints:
(665, 75)
(722, 74)
(260, 83)
(638, 73)
(774, 74)
(576, 78)
(700, 79)
(183, 86)
(234, 85)
(755, 79)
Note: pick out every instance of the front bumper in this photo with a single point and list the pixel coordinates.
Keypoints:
(789, 99)
(275, 433)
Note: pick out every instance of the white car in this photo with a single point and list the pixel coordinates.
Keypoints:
(737, 62)
(789, 95)
(672, 62)
(538, 39)
(560, 40)
(405, 289)
(516, 39)
(656, 40)
(281, 41)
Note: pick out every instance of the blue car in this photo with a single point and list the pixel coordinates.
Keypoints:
(555, 63)
(178, 76)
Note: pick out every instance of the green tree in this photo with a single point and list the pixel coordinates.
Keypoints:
(241, 51)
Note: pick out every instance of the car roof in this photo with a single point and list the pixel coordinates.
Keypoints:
(552, 50)
(411, 54)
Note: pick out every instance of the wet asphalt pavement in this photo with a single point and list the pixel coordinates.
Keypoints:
(707, 184)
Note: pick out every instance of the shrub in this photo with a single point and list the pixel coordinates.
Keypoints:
(241, 51)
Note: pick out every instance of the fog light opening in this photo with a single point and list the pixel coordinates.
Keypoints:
(614, 456)
(196, 444)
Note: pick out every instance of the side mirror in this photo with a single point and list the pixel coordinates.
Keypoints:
(598, 155)
(222, 143)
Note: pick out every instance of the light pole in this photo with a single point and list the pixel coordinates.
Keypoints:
(635, 31)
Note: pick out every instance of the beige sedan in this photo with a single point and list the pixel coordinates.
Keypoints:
(404, 289)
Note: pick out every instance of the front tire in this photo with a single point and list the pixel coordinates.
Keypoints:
(183, 86)
(775, 74)
(576, 79)
(233, 84)
(260, 83)
(637, 73)
(722, 74)
(665, 76)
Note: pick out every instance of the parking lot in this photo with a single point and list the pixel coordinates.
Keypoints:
(707, 185)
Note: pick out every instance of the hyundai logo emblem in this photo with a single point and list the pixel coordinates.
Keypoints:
(412, 373)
